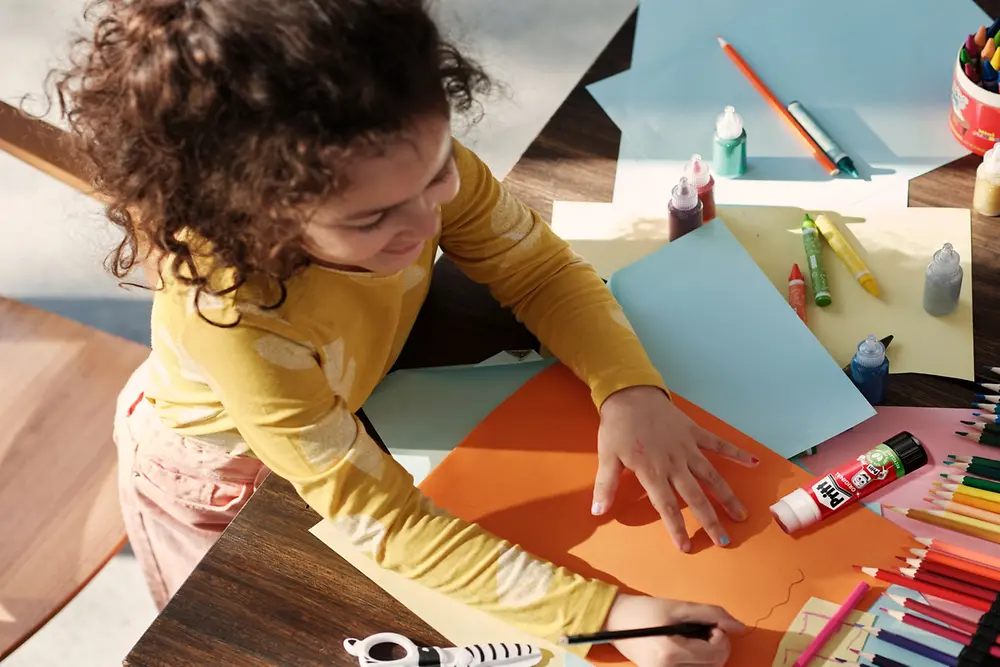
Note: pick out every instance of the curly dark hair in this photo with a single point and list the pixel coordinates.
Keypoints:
(228, 118)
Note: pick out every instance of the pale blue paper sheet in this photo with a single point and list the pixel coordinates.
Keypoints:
(725, 339)
(873, 645)
(422, 414)
(889, 114)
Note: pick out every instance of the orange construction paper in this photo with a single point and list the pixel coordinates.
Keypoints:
(526, 473)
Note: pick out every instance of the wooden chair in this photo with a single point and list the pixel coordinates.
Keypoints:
(59, 516)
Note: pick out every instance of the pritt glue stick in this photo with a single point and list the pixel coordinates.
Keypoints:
(824, 496)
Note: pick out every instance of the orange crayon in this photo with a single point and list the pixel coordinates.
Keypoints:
(989, 50)
(980, 37)
(797, 292)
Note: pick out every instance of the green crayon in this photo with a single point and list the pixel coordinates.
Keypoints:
(963, 56)
(814, 259)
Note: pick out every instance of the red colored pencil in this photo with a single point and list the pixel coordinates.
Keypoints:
(946, 582)
(955, 573)
(891, 577)
(939, 615)
(959, 563)
(961, 552)
(935, 629)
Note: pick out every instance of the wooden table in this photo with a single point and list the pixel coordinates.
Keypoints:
(269, 593)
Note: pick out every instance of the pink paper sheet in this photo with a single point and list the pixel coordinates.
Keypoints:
(935, 427)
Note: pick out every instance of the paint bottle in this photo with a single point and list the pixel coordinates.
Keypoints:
(870, 369)
(986, 196)
(943, 282)
(697, 172)
(685, 209)
(824, 496)
(729, 152)
(814, 257)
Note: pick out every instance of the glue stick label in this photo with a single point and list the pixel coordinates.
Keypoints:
(856, 479)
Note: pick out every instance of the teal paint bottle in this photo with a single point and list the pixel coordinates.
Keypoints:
(729, 152)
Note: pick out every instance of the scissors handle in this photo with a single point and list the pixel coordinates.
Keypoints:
(362, 650)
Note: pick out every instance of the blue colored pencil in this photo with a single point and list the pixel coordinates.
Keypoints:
(988, 418)
(987, 407)
(912, 646)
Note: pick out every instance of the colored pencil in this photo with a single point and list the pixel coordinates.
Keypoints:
(989, 386)
(976, 460)
(989, 398)
(978, 470)
(987, 407)
(990, 419)
(955, 573)
(947, 582)
(779, 108)
(984, 438)
(961, 552)
(912, 646)
(967, 500)
(983, 427)
(974, 482)
(940, 615)
(833, 625)
(891, 577)
(970, 491)
(965, 510)
(993, 369)
(960, 563)
(935, 629)
(955, 522)
(689, 630)
(878, 660)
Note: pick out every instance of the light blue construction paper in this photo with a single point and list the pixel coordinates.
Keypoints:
(436, 408)
(873, 645)
(725, 339)
(891, 115)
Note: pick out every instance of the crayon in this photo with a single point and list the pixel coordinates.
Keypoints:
(970, 45)
(974, 482)
(797, 292)
(972, 72)
(990, 77)
(814, 256)
(847, 254)
(988, 50)
(992, 31)
(995, 60)
(963, 57)
(980, 36)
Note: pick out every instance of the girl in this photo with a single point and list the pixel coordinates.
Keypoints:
(289, 167)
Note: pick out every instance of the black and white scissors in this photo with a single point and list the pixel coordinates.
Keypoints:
(508, 655)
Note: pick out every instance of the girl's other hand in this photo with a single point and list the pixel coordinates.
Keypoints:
(629, 612)
(642, 430)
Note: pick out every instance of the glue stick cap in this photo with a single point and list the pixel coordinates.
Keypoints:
(728, 125)
(911, 452)
(795, 511)
(697, 171)
(871, 353)
(991, 159)
(684, 195)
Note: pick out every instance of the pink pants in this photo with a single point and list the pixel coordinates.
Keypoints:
(177, 494)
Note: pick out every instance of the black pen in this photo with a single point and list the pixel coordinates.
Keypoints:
(688, 630)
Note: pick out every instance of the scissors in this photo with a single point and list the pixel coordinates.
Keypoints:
(511, 655)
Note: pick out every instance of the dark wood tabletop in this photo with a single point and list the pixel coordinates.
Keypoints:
(269, 593)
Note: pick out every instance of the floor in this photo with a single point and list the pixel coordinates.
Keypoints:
(53, 240)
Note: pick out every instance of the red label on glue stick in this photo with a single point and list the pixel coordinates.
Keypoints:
(842, 487)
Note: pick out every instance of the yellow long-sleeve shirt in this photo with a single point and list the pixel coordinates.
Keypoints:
(284, 384)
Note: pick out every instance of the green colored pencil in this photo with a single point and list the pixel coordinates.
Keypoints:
(988, 439)
(989, 472)
(982, 426)
(975, 460)
(974, 482)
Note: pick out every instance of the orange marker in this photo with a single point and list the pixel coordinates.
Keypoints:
(817, 152)
(797, 292)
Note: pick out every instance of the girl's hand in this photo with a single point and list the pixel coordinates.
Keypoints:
(630, 612)
(642, 430)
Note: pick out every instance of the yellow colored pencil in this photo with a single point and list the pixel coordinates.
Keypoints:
(847, 254)
(970, 491)
(966, 510)
(960, 498)
(951, 521)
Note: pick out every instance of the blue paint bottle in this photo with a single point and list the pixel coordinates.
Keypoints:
(870, 370)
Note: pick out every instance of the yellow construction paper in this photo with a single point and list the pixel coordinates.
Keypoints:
(896, 244)
(808, 623)
(460, 624)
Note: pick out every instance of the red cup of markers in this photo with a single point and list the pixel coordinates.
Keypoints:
(975, 113)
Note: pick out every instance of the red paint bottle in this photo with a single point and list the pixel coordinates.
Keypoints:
(698, 172)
